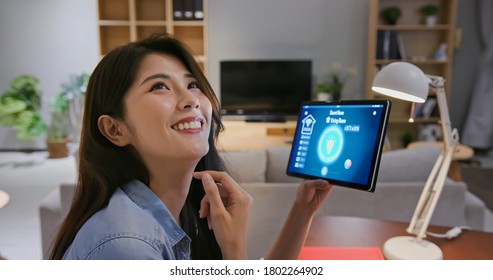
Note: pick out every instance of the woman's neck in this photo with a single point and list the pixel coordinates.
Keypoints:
(170, 181)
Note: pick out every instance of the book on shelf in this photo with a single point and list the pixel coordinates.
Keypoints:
(400, 47)
(178, 9)
(390, 45)
(188, 9)
(427, 109)
(198, 9)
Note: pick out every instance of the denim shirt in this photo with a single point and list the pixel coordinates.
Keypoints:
(135, 225)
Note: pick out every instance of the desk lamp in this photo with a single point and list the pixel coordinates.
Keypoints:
(405, 81)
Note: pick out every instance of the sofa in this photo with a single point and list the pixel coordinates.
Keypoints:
(261, 173)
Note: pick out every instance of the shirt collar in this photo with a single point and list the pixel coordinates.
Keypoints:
(148, 201)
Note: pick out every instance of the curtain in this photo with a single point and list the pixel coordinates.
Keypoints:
(478, 129)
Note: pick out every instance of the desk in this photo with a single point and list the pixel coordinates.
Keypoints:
(361, 232)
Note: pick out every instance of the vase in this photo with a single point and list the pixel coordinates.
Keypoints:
(324, 96)
(431, 20)
(57, 148)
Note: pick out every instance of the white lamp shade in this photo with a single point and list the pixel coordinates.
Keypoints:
(402, 80)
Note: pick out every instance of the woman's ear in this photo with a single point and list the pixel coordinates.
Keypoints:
(114, 130)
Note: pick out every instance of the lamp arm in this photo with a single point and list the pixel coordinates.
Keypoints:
(438, 85)
(430, 195)
(436, 180)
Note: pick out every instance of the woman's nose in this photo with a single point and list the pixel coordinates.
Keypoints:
(188, 101)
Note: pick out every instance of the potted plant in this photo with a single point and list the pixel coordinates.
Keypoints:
(430, 13)
(323, 91)
(335, 81)
(74, 90)
(57, 141)
(20, 106)
(391, 14)
(66, 113)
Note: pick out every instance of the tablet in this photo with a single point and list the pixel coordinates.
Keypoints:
(340, 142)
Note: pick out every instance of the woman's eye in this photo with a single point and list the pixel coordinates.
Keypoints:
(193, 85)
(158, 86)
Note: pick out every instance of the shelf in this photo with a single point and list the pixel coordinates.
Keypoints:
(416, 43)
(415, 27)
(150, 10)
(188, 23)
(114, 23)
(425, 61)
(416, 121)
(113, 10)
(112, 37)
(150, 22)
(124, 21)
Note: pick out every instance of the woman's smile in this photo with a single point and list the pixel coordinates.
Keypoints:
(189, 125)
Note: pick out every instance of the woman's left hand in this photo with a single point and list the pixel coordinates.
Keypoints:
(309, 197)
(312, 193)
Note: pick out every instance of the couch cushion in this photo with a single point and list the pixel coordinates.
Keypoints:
(277, 162)
(270, 207)
(246, 166)
(408, 165)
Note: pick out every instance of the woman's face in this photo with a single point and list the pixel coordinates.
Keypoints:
(167, 114)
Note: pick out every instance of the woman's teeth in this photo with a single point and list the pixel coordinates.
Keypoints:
(187, 125)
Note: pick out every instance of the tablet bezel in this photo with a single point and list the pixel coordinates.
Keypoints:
(378, 149)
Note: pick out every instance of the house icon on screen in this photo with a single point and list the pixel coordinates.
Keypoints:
(307, 124)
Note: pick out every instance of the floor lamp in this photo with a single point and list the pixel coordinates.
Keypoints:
(405, 81)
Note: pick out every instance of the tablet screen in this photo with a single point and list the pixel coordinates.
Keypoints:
(340, 142)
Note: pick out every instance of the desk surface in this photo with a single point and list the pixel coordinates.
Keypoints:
(361, 232)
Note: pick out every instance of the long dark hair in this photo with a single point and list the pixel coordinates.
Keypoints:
(103, 166)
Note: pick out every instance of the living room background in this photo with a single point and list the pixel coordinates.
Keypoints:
(52, 39)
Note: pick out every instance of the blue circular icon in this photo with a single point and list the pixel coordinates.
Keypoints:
(330, 144)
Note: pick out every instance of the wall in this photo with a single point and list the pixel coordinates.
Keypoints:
(466, 61)
(49, 39)
(326, 31)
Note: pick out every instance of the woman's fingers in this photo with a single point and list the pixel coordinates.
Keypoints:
(204, 207)
(220, 177)
(213, 200)
(226, 206)
(312, 193)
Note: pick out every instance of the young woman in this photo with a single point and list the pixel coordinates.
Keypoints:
(151, 183)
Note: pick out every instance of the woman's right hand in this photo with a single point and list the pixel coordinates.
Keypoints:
(226, 206)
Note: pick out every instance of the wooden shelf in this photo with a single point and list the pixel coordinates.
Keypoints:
(420, 43)
(416, 121)
(415, 27)
(124, 21)
(417, 62)
(114, 23)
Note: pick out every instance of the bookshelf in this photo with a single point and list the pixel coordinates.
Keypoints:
(123, 21)
(419, 42)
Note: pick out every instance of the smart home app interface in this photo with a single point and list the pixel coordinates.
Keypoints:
(336, 141)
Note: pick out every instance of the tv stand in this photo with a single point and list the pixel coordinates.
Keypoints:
(242, 135)
(265, 118)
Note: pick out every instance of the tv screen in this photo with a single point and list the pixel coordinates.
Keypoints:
(264, 87)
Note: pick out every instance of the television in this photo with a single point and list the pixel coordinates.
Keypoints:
(264, 90)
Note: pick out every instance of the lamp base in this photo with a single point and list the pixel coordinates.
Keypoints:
(408, 248)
